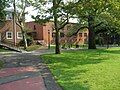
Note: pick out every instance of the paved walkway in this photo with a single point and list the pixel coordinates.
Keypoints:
(26, 71)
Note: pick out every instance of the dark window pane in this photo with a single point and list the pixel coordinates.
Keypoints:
(80, 34)
(85, 34)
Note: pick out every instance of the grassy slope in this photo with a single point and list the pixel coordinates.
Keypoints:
(33, 47)
(86, 69)
(4, 50)
(1, 64)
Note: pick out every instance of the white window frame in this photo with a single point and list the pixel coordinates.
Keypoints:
(7, 35)
(18, 35)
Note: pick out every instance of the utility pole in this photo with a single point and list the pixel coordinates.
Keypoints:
(14, 23)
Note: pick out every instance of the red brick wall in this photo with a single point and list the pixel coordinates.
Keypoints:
(79, 39)
(35, 27)
(41, 31)
(82, 40)
(9, 27)
(47, 29)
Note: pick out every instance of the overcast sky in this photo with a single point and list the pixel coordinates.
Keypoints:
(31, 11)
(34, 12)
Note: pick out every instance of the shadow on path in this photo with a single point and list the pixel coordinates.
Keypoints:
(19, 60)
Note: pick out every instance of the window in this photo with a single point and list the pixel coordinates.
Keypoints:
(80, 34)
(100, 35)
(9, 16)
(9, 35)
(62, 34)
(85, 41)
(85, 34)
(34, 27)
(53, 34)
(19, 35)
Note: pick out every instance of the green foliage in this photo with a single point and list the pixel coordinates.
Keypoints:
(1, 64)
(3, 49)
(3, 5)
(86, 69)
(33, 47)
(105, 11)
(29, 41)
(56, 11)
(19, 16)
(98, 15)
(45, 11)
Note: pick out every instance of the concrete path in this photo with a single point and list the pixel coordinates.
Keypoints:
(26, 71)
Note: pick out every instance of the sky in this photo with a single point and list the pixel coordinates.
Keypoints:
(28, 16)
(31, 12)
(34, 13)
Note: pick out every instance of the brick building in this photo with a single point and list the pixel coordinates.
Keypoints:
(80, 38)
(11, 33)
(41, 33)
(7, 34)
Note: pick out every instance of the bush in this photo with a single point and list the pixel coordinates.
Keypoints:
(33, 47)
(1, 64)
(29, 42)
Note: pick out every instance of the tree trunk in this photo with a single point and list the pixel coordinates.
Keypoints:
(24, 36)
(107, 40)
(57, 35)
(91, 41)
(57, 48)
(25, 40)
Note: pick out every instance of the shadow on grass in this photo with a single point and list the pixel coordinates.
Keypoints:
(74, 58)
(66, 67)
(111, 51)
(73, 61)
(75, 86)
(70, 81)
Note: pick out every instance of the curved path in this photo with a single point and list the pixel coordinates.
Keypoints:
(26, 71)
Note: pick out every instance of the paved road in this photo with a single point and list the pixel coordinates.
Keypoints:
(26, 71)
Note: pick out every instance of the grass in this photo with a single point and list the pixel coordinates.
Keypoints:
(33, 47)
(86, 69)
(4, 50)
(1, 64)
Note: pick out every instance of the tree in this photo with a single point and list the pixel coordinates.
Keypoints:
(91, 12)
(58, 13)
(19, 17)
(3, 5)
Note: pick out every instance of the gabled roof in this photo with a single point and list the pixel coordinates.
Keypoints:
(5, 25)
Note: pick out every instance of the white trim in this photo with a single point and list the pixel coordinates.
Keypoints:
(18, 35)
(7, 35)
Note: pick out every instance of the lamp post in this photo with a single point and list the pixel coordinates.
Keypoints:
(48, 39)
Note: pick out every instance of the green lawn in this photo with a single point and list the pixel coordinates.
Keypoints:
(86, 69)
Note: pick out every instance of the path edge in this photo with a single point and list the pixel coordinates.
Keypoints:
(49, 80)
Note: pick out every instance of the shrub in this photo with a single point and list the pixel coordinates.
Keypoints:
(1, 64)
(29, 41)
